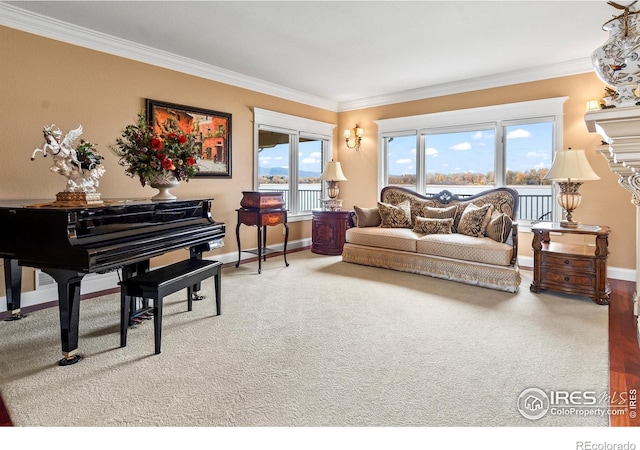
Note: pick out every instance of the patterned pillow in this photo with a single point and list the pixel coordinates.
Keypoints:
(475, 219)
(440, 213)
(433, 226)
(367, 217)
(499, 227)
(395, 216)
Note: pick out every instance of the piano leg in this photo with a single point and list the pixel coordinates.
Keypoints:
(13, 287)
(195, 254)
(69, 306)
(143, 311)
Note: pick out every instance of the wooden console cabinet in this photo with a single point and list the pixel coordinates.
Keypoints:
(262, 209)
(578, 269)
(328, 229)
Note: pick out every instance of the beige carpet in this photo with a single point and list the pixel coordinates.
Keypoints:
(320, 343)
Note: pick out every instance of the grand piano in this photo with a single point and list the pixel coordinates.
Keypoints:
(69, 242)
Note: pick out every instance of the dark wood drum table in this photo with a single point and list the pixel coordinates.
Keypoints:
(262, 218)
(328, 229)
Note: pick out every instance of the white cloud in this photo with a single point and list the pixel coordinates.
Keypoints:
(518, 134)
(461, 146)
(431, 151)
(404, 161)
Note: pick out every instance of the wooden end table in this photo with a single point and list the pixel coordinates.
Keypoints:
(578, 269)
(262, 218)
(328, 229)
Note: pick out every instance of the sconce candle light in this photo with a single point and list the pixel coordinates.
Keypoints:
(570, 169)
(357, 132)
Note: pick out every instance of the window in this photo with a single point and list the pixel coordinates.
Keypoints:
(290, 155)
(468, 151)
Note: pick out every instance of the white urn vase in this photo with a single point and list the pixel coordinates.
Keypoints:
(617, 61)
(163, 182)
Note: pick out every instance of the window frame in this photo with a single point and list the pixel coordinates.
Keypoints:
(296, 127)
(497, 117)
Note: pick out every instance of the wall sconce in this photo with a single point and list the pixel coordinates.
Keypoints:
(570, 169)
(357, 132)
(332, 174)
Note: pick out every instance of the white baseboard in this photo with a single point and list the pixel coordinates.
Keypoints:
(102, 282)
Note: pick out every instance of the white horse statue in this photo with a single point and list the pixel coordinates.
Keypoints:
(81, 177)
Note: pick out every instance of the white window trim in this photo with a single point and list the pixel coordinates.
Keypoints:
(296, 127)
(419, 124)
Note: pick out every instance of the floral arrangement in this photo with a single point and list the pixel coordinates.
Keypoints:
(87, 155)
(147, 155)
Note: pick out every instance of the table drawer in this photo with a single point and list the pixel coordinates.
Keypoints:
(565, 262)
(273, 218)
(555, 277)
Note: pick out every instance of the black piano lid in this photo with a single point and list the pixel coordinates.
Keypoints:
(49, 204)
(102, 236)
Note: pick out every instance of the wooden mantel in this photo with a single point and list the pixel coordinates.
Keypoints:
(620, 131)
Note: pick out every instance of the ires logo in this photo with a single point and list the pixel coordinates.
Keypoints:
(573, 398)
(534, 403)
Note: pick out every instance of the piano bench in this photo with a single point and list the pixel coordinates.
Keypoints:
(157, 284)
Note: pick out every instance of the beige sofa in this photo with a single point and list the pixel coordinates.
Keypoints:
(472, 240)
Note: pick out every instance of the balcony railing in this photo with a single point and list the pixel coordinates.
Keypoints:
(308, 199)
(531, 207)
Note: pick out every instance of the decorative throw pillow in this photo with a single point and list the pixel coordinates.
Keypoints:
(499, 227)
(433, 226)
(367, 217)
(475, 219)
(440, 213)
(395, 216)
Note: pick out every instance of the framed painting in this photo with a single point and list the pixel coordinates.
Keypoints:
(214, 128)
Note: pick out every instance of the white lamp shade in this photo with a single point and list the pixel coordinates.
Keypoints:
(571, 165)
(333, 172)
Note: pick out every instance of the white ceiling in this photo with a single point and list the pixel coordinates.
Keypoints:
(344, 53)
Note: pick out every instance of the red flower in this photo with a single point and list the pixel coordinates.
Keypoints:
(161, 156)
(156, 144)
(182, 139)
(167, 164)
(190, 161)
(171, 136)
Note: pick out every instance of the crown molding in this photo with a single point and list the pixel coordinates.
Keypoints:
(38, 24)
(574, 67)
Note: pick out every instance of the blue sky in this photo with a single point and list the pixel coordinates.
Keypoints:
(528, 146)
(310, 157)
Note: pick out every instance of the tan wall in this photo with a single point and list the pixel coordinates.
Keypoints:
(604, 201)
(45, 81)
